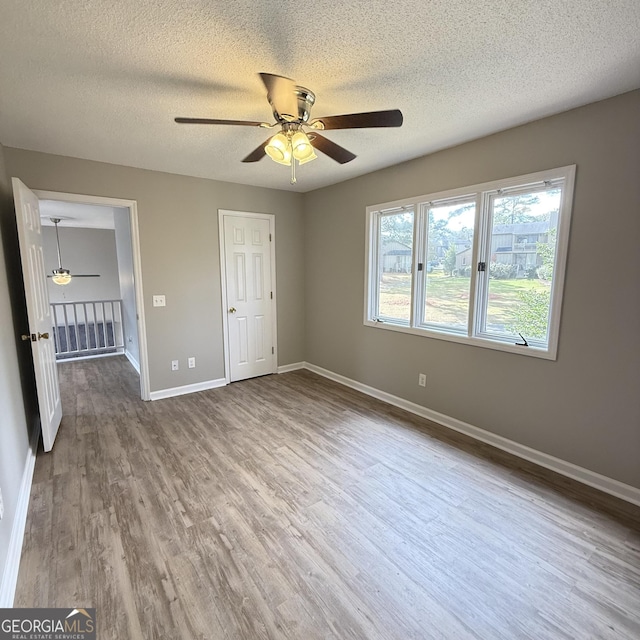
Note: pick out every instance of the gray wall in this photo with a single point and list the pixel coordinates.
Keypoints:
(178, 222)
(127, 282)
(87, 251)
(584, 407)
(16, 377)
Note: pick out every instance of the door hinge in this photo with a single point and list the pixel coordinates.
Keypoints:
(272, 295)
(273, 350)
(420, 266)
(482, 266)
(269, 237)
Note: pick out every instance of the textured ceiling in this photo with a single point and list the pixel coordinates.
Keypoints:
(103, 80)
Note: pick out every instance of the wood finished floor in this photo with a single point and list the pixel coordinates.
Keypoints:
(292, 507)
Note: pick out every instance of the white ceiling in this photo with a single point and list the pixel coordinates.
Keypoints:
(74, 214)
(103, 80)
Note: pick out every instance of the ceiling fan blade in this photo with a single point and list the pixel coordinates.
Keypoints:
(258, 153)
(330, 148)
(281, 93)
(82, 275)
(390, 118)
(244, 123)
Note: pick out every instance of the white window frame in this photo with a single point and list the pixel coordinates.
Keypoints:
(480, 247)
(376, 257)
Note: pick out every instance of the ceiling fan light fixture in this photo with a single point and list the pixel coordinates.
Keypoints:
(301, 147)
(61, 276)
(291, 105)
(279, 149)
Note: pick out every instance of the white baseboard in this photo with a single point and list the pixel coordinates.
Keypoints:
(568, 469)
(285, 368)
(134, 363)
(12, 565)
(187, 388)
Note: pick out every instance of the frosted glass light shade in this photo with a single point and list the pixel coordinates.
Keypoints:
(302, 149)
(309, 158)
(279, 149)
(61, 276)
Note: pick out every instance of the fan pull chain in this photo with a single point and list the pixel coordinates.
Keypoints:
(293, 170)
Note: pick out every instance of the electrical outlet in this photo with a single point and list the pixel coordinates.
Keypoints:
(191, 362)
(159, 301)
(174, 365)
(422, 379)
(1, 506)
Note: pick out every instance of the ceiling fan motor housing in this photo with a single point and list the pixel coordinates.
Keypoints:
(305, 99)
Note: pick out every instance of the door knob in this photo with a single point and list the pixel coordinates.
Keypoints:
(43, 336)
(232, 310)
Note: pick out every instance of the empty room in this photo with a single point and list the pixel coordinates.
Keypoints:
(319, 321)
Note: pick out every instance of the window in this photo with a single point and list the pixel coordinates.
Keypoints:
(394, 251)
(449, 227)
(482, 265)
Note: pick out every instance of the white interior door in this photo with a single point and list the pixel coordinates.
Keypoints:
(250, 313)
(40, 332)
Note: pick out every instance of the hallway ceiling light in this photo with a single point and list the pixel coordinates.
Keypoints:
(61, 275)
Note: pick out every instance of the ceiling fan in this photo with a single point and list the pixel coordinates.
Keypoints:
(291, 105)
(61, 275)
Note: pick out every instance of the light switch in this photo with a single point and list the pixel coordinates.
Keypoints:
(159, 301)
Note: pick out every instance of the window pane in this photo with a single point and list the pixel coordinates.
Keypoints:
(395, 260)
(522, 257)
(448, 266)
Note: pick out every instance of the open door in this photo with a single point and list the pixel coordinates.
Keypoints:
(40, 332)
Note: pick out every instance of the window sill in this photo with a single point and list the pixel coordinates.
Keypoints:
(475, 341)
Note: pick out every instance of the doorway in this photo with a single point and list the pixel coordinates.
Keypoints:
(247, 265)
(93, 213)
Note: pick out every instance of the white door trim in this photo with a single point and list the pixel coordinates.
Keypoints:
(132, 205)
(223, 283)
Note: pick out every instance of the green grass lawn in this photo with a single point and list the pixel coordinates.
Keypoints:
(448, 298)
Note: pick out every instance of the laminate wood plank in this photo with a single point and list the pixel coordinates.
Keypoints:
(151, 585)
(38, 546)
(201, 608)
(434, 569)
(414, 612)
(106, 566)
(299, 620)
(69, 537)
(93, 474)
(289, 507)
